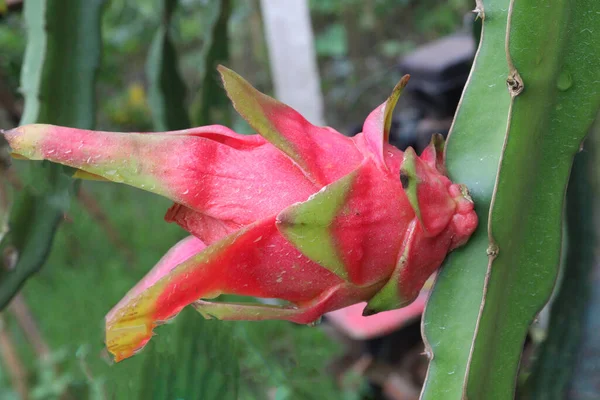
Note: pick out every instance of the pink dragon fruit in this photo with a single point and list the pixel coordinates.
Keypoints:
(300, 213)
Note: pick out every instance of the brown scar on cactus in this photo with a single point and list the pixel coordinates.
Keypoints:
(514, 82)
(492, 250)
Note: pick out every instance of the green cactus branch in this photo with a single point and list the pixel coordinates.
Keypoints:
(556, 361)
(472, 154)
(551, 70)
(167, 92)
(551, 111)
(59, 88)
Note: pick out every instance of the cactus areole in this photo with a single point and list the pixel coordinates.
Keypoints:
(299, 213)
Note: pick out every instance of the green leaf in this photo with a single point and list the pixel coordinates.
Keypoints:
(167, 90)
(33, 221)
(212, 104)
(547, 124)
(59, 88)
(555, 95)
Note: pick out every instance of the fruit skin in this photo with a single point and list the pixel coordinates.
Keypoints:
(298, 213)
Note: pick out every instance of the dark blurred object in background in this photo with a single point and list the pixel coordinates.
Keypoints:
(439, 71)
(13, 5)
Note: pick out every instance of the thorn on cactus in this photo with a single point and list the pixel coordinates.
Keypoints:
(515, 83)
(479, 11)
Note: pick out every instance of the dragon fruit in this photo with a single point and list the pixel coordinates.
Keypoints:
(299, 213)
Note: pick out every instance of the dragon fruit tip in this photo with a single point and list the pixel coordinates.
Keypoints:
(6, 132)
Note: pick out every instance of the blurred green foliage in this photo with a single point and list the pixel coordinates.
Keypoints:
(355, 40)
(87, 273)
(59, 88)
(333, 41)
